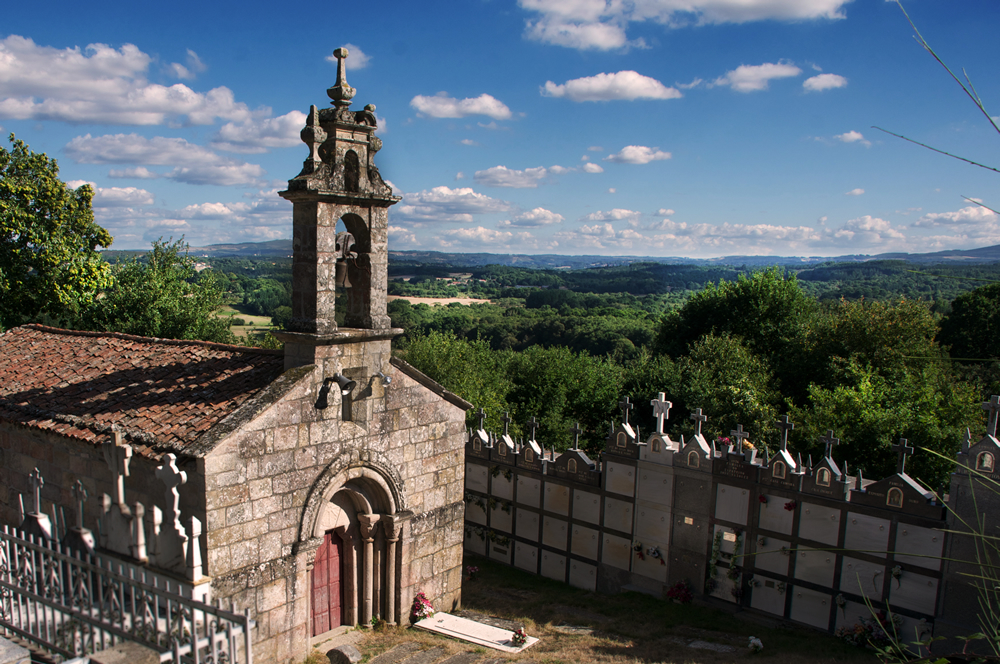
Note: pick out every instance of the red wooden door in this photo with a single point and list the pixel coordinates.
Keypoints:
(326, 587)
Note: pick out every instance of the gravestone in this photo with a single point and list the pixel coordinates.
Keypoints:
(585, 542)
(867, 533)
(620, 478)
(582, 575)
(655, 486)
(913, 591)
(768, 596)
(916, 545)
(529, 491)
(618, 515)
(616, 552)
(811, 607)
(774, 517)
(862, 578)
(732, 503)
(555, 533)
(819, 523)
(476, 477)
(527, 524)
(586, 506)
(526, 557)
(501, 519)
(772, 555)
(815, 566)
(557, 498)
(553, 565)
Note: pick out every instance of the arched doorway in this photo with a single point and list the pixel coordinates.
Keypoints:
(327, 585)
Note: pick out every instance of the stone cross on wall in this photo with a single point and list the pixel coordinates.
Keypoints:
(80, 496)
(481, 417)
(576, 431)
(625, 407)
(36, 482)
(661, 410)
(740, 435)
(830, 442)
(118, 455)
(993, 407)
(532, 425)
(785, 425)
(903, 449)
(506, 422)
(698, 419)
(172, 478)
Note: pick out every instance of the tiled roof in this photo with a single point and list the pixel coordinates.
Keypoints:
(163, 394)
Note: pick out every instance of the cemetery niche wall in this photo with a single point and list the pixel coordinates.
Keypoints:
(806, 542)
(316, 487)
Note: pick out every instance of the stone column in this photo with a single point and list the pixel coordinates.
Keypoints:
(368, 523)
(350, 576)
(393, 525)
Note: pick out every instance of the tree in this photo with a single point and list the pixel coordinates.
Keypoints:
(972, 329)
(49, 264)
(154, 297)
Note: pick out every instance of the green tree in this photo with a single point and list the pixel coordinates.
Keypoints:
(155, 297)
(49, 264)
(972, 329)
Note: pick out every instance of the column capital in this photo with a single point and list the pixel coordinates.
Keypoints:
(393, 524)
(368, 523)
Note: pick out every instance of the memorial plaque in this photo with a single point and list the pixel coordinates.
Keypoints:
(526, 557)
(913, 591)
(529, 491)
(692, 494)
(811, 607)
(818, 523)
(770, 557)
(474, 512)
(919, 546)
(774, 516)
(555, 533)
(477, 477)
(501, 552)
(616, 552)
(474, 543)
(557, 498)
(723, 585)
(554, 566)
(585, 542)
(503, 487)
(582, 575)
(502, 520)
(728, 544)
(867, 533)
(527, 524)
(860, 577)
(815, 566)
(736, 467)
(587, 507)
(618, 515)
(649, 566)
(652, 524)
(619, 478)
(655, 486)
(691, 533)
(731, 504)
(767, 596)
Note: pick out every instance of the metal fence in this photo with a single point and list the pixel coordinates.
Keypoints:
(74, 606)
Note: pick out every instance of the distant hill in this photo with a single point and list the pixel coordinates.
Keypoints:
(554, 261)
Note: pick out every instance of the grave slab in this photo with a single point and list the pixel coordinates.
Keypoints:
(474, 544)
(767, 596)
(655, 486)
(503, 487)
(618, 515)
(652, 524)
(554, 533)
(554, 566)
(919, 546)
(586, 507)
(731, 504)
(620, 478)
(500, 519)
(527, 524)
(476, 477)
(529, 491)
(861, 577)
(583, 575)
(557, 499)
(865, 533)
(815, 566)
(473, 632)
(774, 516)
(819, 524)
(811, 607)
(585, 542)
(914, 591)
(769, 556)
(526, 557)
(617, 551)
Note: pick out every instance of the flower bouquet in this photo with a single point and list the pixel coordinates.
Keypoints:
(422, 608)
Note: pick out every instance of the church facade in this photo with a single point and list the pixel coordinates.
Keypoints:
(322, 485)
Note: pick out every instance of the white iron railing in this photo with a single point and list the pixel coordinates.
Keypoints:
(74, 606)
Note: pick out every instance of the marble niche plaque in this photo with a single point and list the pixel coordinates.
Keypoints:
(731, 503)
(587, 506)
(529, 491)
(557, 498)
(819, 523)
(620, 478)
(867, 533)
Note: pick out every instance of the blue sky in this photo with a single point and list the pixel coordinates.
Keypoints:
(619, 127)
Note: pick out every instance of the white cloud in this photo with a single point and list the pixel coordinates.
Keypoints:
(443, 106)
(254, 136)
(468, 141)
(137, 173)
(478, 236)
(853, 137)
(974, 215)
(627, 85)
(867, 231)
(854, 192)
(616, 214)
(612, 190)
(537, 217)
(446, 204)
(753, 78)
(501, 176)
(602, 24)
(637, 154)
(592, 168)
(194, 67)
(212, 210)
(824, 82)
(595, 148)
(122, 197)
(356, 58)
(100, 84)
(193, 164)
(559, 170)
(665, 212)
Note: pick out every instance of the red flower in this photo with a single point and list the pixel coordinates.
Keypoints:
(763, 499)
(790, 505)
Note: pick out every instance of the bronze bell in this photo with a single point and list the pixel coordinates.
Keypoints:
(341, 278)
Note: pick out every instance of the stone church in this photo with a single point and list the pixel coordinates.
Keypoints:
(323, 484)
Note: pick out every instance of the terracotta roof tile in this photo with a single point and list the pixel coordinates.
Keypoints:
(162, 393)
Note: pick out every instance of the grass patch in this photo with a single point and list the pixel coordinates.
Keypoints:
(260, 323)
(627, 628)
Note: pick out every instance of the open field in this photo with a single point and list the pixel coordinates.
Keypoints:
(630, 628)
(438, 301)
(260, 323)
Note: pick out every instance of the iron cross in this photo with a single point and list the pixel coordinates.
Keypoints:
(532, 425)
(80, 496)
(830, 442)
(739, 434)
(661, 409)
(576, 431)
(36, 481)
(993, 406)
(903, 449)
(481, 416)
(698, 419)
(785, 425)
(625, 407)
(506, 421)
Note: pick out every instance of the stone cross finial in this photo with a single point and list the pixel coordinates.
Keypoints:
(785, 425)
(740, 435)
(903, 449)
(532, 425)
(341, 93)
(993, 406)
(661, 410)
(117, 455)
(481, 416)
(830, 442)
(576, 431)
(698, 419)
(80, 496)
(506, 421)
(36, 482)
(625, 407)
(172, 478)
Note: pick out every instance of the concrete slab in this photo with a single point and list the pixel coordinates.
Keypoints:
(472, 632)
(11, 653)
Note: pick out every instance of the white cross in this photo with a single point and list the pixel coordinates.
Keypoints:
(80, 495)
(36, 481)
(661, 409)
(117, 455)
(173, 478)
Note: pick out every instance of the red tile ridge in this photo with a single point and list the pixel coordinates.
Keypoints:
(170, 342)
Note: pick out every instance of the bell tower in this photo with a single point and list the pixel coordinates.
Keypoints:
(338, 182)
